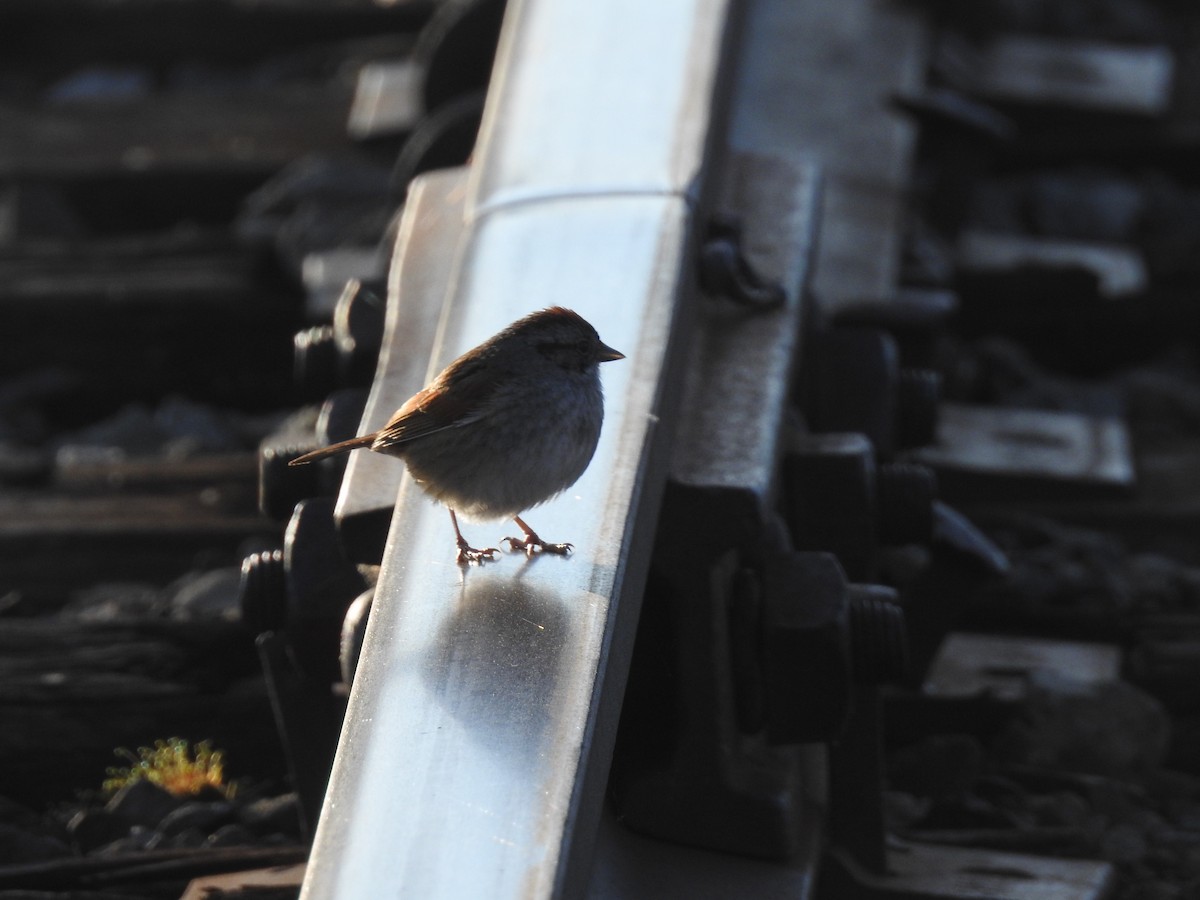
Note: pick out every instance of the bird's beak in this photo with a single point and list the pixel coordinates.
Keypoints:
(605, 353)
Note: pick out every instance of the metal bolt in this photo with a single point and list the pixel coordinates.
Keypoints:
(725, 271)
(807, 673)
(853, 380)
(281, 487)
(878, 641)
(321, 584)
(828, 495)
(915, 317)
(340, 416)
(263, 591)
(358, 330)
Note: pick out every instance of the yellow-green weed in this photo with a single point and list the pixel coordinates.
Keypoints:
(171, 765)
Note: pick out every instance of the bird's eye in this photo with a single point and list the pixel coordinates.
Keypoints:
(584, 346)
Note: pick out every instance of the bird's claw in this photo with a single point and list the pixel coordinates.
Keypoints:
(469, 556)
(533, 544)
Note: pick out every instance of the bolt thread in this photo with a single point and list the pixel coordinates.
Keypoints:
(263, 590)
(878, 641)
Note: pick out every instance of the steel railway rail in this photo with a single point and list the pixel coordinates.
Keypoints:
(476, 745)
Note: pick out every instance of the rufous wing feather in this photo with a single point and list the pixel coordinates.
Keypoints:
(434, 409)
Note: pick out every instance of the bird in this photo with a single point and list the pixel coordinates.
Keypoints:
(508, 425)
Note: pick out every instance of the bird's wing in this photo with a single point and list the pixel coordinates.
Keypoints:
(450, 402)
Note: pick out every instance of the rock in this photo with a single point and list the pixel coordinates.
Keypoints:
(139, 838)
(103, 83)
(204, 817)
(274, 815)
(191, 837)
(1106, 729)
(143, 803)
(191, 428)
(115, 601)
(232, 835)
(207, 595)
(131, 432)
(177, 428)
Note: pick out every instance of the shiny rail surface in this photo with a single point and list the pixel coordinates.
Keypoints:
(476, 744)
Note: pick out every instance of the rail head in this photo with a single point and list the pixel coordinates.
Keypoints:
(602, 99)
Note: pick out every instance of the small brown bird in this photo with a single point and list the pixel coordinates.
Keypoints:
(504, 427)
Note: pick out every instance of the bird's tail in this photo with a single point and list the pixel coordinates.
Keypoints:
(340, 447)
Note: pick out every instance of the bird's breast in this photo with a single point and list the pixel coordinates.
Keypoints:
(531, 442)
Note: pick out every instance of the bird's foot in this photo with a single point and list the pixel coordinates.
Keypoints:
(531, 544)
(469, 556)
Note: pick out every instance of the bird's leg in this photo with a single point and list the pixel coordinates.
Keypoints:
(532, 542)
(467, 553)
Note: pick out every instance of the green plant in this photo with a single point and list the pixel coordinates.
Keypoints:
(173, 766)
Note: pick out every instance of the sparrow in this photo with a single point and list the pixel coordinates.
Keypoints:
(506, 426)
